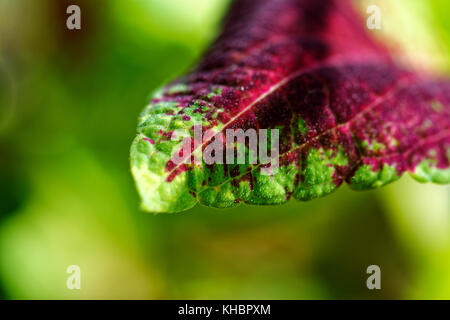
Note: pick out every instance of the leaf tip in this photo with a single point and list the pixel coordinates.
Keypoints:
(157, 196)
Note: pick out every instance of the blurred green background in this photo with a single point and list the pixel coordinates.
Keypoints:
(69, 102)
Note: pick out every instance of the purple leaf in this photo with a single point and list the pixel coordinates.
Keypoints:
(306, 68)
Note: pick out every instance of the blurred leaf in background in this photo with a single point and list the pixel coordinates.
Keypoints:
(67, 196)
(68, 105)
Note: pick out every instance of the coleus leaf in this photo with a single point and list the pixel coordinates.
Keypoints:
(344, 111)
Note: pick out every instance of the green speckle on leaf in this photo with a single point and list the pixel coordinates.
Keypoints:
(216, 91)
(318, 173)
(427, 171)
(218, 197)
(302, 126)
(437, 106)
(374, 145)
(271, 189)
(368, 178)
